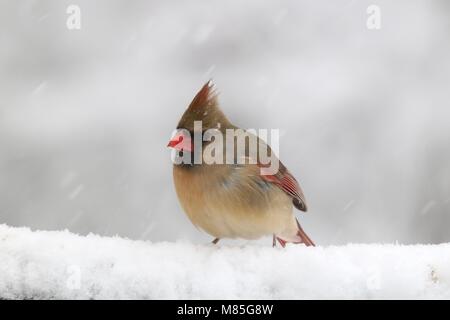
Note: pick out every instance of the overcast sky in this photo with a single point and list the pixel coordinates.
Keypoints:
(85, 115)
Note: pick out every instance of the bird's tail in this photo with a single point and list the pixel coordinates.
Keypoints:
(304, 237)
(300, 237)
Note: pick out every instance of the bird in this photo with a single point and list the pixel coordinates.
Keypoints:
(232, 200)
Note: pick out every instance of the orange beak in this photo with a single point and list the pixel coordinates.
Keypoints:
(174, 142)
(180, 142)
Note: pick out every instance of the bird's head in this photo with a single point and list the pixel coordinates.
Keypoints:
(204, 108)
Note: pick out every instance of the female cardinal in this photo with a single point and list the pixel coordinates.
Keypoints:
(232, 200)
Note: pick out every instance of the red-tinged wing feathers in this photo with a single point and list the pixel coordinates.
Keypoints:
(286, 182)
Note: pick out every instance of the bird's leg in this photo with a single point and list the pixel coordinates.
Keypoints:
(215, 241)
(274, 241)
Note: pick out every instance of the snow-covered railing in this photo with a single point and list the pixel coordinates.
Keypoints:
(59, 264)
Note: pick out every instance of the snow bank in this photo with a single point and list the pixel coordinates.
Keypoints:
(62, 265)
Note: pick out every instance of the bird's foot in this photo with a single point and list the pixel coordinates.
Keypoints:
(215, 241)
(282, 242)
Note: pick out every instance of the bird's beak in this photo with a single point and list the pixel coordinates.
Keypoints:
(173, 143)
(180, 142)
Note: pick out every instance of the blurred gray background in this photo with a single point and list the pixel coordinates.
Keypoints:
(85, 115)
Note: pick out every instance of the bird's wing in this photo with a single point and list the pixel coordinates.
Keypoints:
(282, 179)
(286, 182)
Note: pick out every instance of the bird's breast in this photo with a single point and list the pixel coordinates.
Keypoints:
(230, 202)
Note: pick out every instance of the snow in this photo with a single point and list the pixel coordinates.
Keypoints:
(63, 265)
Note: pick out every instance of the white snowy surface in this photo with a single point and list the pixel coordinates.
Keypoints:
(62, 265)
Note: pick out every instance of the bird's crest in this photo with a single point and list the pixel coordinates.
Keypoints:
(207, 96)
(204, 107)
